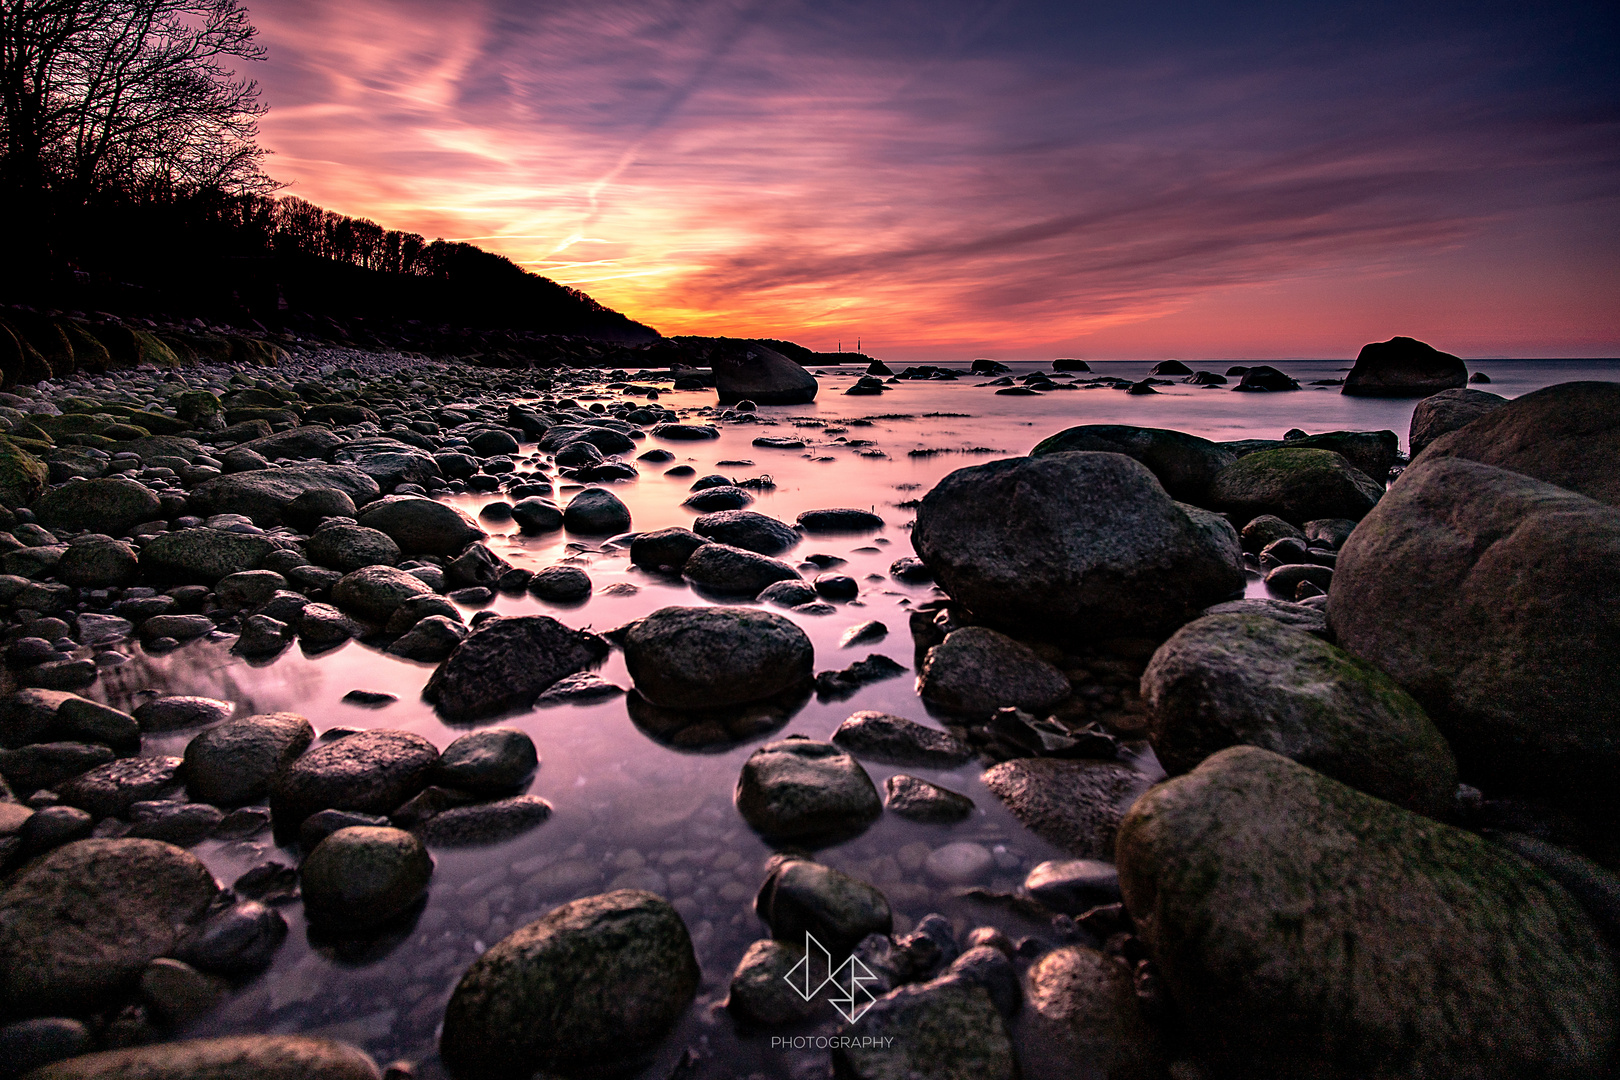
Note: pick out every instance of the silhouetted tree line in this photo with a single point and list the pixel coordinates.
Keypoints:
(132, 182)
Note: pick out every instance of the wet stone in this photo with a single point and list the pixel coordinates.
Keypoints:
(371, 772)
(492, 761)
(180, 712)
(486, 822)
(918, 800)
(801, 896)
(112, 789)
(796, 788)
(1073, 886)
(360, 877)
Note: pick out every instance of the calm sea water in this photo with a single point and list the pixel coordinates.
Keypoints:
(633, 812)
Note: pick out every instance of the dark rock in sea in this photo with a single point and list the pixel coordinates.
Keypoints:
(762, 991)
(665, 549)
(801, 788)
(1143, 387)
(1297, 616)
(707, 657)
(836, 586)
(1073, 886)
(1185, 464)
(485, 822)
(1084, 1009)
(1265, 378)
(1285, 581)
(789, 593)
(79, 924)
(1266, 529)
(596, 512)
(421, 526)
(1205, 378)
(26, 1045)
(727, 570)
(1070, 364)
(595, 982)
(580, 687)
(1494, 598)
(507, 662)
(374, 592)
(1117, 551)
(839, 685)
(948, 1029)
(894, 740)
(686, 432)
(1403, 367)
(1447, 411)
(1492, 969)
(863, 633)
(318, 826)
(560, 584)
(1225, 680)
(839, 520)
(494, 761)
(262, 1057)
(1170, 367)
(536, 515)
(1076, 805)
(718, 497)
(779, 442)
(978, 670)
(748, 530)
(370, 699)
(360, 877)
(801, 896)
(43, 765)
(911, 570)
(370, 772)
(110, 790)
(1296, 485)
(918, 800)
(763, 375)
(346, 547)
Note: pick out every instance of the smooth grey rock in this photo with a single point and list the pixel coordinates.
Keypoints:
(748, 530)
(360, 877)
(177, 712)
(839, 520)
(1076, 805)
(346, 548)
(493, 761)
(560, 584)
(200, 555)
(1185, 464)
(262, 494)
(113, 506)
(665, 549)
(760, 374)
(110, 790)
(760, 992)
(708, 657)
(1073, 886)
(430, 639)
(373, 592)
(237, 1057)
(596, 511)
(421, 526)
(485, 822)
(918, 800)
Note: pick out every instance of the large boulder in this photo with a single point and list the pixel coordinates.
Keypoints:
(704, 657)
(1494, 599)
(422, 526)
(369, 772)
(112, 506)
(1304, 928)
(201, 555)
(387, 462)
(1447, 411)
(594, 983)
(346, 548)
(1248, 679)
(262, 493)
(762, 375)
(236, 1057)
(78, 925)
(947, 1029)
(596, 512)
(1297, 485)
(22, 475)
(979, 670)
(747, 529)
(1074, 543)
(508, 662)
(1185, 464)
(1403, 367)
(794, 788)
(1565, 434)
(802, 896)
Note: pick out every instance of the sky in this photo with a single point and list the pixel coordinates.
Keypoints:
(959, 178)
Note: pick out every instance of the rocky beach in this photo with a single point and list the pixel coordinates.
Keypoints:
(366, 714)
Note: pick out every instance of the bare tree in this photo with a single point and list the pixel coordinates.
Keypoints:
(127, 95)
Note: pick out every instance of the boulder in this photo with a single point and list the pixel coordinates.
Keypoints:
(1565, 434)
(1076, 805)
(485, 822)
(796, 788)
(894, 740)
(508, 662)
(387, 462)
(1298, 616)
(1295, 485)
(596, 512)
(1225, 680)
(1073, 886)
(1307, 929)
(235, 762)
(979, 670)
(536, 515)
(110, 790)
(745, 529)
(1447, 411)
(430, 639)
(560, 584)
(592, 984)
(369, 772)
(801, 896)
(733, 571)
(236, 1057)
(22, 476)
(494, 761)
(78, 925)
(1083, 1008)
(948, 1029)
(375, 592)
(839, 520)
(203, 556)
(664, 549)
(263, 493)
(305, 442)
(346, 548)
(763, 375)
(1403, 367)
(113, 506)
(360, 877)
(1074, 543)
(1264, 378)
(421, 526)
(761, 991)
(916, 799)
(1494, 599)
(177, 712)
(707, 657)
(1185, 464)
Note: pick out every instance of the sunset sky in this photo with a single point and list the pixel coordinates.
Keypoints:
(947, 179)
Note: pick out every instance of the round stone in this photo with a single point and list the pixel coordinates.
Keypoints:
(362, 876)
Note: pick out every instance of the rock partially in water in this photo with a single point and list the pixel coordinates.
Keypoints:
(43, 765)
(1073, 543)
(839, 520)
(1076, 805)
(360, 877)
(596, 511)
(1073, 886)
(838, 685)
(485, 823)
(918, 800)
(979, 670)
(238, 1057)
(494, 761)
(536, 515)
(665, 549)
(760, 991)
(798, 788)
(746, 529)
(789, 593)
(761, 374)
(179, 712)
(346, 547)
(421, 526)
(1403, 367)
(1494, 599)
(373, 592)
(560, 584)
(707, 657)
(580, 687)
(990, 968)
(430, 639)
(110, 790)
(594, 983)
(506, 663)
(1185, 464)
(1235, 679)
(78, 925)
(177, 823)
(1296, 485)
(718, 497)
(800, 896)
(237, 940)
(948, 1029)
(894, 740)
(369, 772)
(1305, 928)
(1086, 1016)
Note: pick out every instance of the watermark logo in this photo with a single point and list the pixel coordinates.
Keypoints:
(850, 995)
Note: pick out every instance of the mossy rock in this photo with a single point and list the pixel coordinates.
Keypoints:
(156, 423)
(72, 424)
(123, 349)
(151, 349)
(48, 339)
(33, 446)
(11, 356)
(22, 475)
(33, 366)
(198, 405)
(89, 354)
(1297, 485)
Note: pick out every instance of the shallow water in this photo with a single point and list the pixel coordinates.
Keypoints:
(632, 811)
